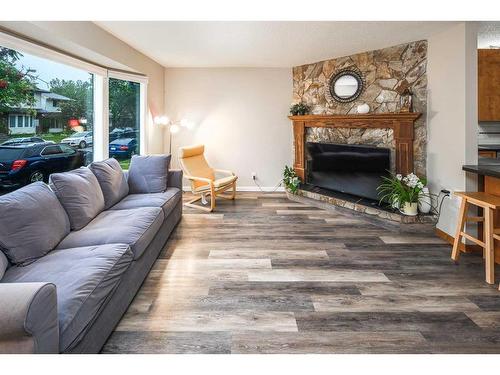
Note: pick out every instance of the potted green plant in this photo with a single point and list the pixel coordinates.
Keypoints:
(300, 109)
(402, 192)
(291, 180)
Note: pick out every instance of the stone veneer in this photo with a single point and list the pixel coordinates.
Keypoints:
(387, 73)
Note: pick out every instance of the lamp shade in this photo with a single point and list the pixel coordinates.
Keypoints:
(174, 128)
(161, 120)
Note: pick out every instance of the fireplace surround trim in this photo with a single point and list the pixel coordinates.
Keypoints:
(401, 123)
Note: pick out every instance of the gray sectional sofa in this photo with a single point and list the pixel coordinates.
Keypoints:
(74, 254)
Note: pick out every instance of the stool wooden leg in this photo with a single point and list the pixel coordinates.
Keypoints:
(489, 250)
(460, 227)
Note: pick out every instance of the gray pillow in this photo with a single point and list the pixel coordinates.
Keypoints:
(4, 264)
(32, 223)
(80, 195)
(148, 174)
(113, 183)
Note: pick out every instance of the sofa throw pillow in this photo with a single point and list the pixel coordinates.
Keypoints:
(4, 263)
(148, 174)
(113, 183)
(32, 223)
(80, 195)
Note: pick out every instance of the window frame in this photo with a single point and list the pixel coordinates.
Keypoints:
(49, 155)
(101, 77)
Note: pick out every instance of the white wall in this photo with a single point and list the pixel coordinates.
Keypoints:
(452, 113)
(240, 114)
(88, 41)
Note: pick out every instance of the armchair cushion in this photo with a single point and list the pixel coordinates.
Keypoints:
(80, 194)
(113, 183)
(219, 183)
(32, 223)
(193, 162)
(148, 174)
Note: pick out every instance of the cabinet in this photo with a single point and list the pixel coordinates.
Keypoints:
(489, 84)
(487, 154)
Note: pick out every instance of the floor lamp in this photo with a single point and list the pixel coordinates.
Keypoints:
(173, 127)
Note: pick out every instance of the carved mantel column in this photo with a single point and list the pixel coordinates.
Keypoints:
(401, 123)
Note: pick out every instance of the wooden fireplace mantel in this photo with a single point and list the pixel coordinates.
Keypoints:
(401, 123)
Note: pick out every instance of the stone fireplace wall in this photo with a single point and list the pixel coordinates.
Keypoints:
(387, 73)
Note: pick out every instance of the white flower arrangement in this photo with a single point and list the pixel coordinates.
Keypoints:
(401, 189)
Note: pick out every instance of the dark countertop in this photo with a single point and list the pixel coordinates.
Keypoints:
(488, 147)
(485, 167)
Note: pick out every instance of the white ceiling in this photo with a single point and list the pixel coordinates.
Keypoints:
(261, 44)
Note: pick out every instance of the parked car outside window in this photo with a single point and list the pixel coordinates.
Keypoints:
(79, 139)
(13, 141)
(23, 164)
(123, 148)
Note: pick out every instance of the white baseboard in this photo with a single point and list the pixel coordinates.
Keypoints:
(264, 188)
(249, 188)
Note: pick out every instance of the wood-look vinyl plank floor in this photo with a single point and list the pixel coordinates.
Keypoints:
(263, 274)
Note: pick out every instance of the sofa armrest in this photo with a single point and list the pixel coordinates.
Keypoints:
(174, 178)
(28, 318)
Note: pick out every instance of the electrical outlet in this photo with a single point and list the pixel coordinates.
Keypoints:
(254, 176)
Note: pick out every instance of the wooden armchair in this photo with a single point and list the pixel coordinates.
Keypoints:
(203, 177)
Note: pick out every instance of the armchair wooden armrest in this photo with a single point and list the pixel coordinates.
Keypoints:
(224, 171)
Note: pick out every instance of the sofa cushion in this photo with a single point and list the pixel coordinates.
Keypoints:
(135, 227)
(148, 174)
(80, 195)
(4, 264)
(85, 278)
(113, 183)
(32, 223)
(166, 201)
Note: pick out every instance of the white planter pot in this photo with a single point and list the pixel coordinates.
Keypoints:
(424, 201)
(410, 209)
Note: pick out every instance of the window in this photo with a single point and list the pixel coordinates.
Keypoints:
(29, 115)
(51, 150)
(37, 78)
(68, 150)
(124, 120)
(88, 112)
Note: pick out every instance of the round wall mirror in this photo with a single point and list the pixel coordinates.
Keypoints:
(346, 86)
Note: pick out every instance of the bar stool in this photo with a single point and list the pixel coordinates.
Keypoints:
(489, 203)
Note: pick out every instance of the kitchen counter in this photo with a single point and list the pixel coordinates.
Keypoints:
(488, 171)
(485, 167)
(488, 147)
